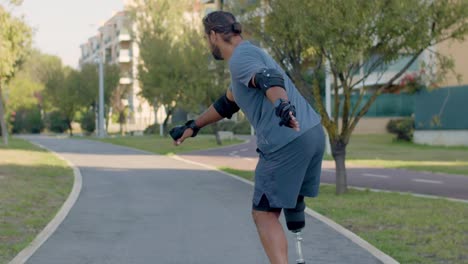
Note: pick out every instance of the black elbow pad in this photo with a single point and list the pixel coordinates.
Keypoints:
(267, 78)
(225, 107)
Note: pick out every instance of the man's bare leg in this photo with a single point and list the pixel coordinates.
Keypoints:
(272, 236)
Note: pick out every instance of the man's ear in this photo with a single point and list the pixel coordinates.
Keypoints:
(213, 36)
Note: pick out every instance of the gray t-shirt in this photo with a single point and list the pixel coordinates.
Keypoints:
(246, 60)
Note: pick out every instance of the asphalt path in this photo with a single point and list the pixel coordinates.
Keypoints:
(140, 208)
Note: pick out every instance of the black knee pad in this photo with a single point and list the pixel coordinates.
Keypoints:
(295, 218)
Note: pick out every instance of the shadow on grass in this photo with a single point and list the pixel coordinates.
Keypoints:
(34, 171)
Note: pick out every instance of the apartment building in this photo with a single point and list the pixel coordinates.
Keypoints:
(458, 50)
(115, 44)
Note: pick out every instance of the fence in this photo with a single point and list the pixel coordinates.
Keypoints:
(386, 105)
(442, 109)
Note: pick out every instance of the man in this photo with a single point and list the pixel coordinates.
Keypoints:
(290, 138)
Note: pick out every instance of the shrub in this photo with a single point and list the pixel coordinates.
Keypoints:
(152, 129)
(403, 128)
(56, 122)
(88, 123)
(27, 120)
(242, 128)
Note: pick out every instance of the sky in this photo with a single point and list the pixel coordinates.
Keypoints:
(61, 26)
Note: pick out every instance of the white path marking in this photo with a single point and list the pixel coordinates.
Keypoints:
(249, 159)
(427, 181)
(244, 149)
(375, 175)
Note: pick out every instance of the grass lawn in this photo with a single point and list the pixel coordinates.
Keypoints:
(164, 145)
(33, 186)
(381, 150)
(410, 229)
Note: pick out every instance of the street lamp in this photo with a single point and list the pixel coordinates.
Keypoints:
(101, 132)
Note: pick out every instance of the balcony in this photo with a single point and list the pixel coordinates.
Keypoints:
(124, 35)
(125, 56)
(126, 78)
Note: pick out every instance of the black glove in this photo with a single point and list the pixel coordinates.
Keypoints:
(282, 110)
(178, 131)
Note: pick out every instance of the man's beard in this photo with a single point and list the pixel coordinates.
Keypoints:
(216, 52)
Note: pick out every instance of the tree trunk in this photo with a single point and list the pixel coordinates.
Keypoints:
(121, 129)
(216, 130)
(169, 113)
(2, 120)
(219, 4)
(70, 129)
(339, 154)
(122, 118)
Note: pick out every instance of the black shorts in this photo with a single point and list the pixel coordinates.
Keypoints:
(293, 170)
(264, 206)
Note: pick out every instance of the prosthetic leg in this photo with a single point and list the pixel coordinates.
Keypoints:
(295, 220)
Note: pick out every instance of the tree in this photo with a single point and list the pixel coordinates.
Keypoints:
(26, 88)
(62, 91)
(353, 36)
(177, 69)
(15, 40)
(89, 85)
(162, 73)
(89, 79)
(111, 87)
(118, 106)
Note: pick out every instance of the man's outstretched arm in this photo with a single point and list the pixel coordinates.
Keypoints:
(223, 107)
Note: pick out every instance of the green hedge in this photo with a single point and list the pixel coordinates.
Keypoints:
(56, 122)
(88, 122)
(402, 128)
(27, 120)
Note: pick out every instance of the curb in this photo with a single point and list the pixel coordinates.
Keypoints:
(384, 258)
(42, 237)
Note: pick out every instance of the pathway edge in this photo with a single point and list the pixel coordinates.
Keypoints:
(50, 228)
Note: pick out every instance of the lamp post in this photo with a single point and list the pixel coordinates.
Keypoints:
(101, 132)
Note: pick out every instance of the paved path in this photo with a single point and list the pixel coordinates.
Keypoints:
(137, 208)
(244, 157)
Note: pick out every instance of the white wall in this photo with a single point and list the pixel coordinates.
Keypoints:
(441, 137)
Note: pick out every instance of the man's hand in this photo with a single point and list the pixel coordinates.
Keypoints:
(180, 133)
(294, 124)
(287, 113)
(187, 133)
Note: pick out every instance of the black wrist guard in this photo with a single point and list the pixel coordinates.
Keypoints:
(282, 110)
(178, 131)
